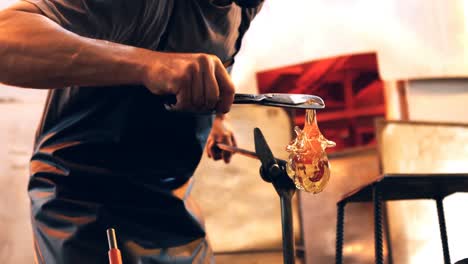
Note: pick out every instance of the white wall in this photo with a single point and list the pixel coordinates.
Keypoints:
(413, 38)
(5, 3)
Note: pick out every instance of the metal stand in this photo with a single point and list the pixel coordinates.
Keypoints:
(377, 197)
(340, 232)
(274, 171)
(443, 230)
(288, 232)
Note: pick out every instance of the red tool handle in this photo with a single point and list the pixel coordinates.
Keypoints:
(114, 256)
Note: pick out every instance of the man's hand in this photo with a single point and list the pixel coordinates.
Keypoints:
(220, 133)
(199, 81)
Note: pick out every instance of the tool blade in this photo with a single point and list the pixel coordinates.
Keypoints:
(295, 100)
(263, 150)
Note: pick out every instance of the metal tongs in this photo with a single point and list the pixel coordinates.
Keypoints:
(301, 101)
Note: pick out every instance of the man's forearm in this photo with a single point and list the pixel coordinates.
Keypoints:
(36, 52)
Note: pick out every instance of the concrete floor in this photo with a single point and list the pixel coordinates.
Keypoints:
(258, 258)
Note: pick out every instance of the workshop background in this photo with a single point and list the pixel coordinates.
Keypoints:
(421, 48)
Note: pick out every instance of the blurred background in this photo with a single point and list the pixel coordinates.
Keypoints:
(387, 60)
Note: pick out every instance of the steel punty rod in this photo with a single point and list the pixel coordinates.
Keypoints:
(244, 152)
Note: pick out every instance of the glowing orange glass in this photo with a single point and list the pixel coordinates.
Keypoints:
(308, 163)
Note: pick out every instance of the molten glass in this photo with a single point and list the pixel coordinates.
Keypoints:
(308, 163)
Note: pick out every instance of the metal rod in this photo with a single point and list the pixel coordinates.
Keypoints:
(377, 197)
(244, 152)
(287, 226)
(111, 238)
(386, 226)
(443, 230)
(300, 245)
(339, 232)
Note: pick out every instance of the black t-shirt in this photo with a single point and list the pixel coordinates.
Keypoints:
(118, 146)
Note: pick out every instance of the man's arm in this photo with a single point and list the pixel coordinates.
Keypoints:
(38, 53)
